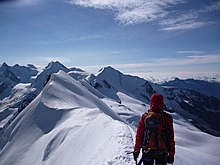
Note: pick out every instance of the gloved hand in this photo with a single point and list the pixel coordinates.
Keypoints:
(135, 155)
(170, 159)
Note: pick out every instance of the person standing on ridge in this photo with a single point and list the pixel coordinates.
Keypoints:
(155, 135)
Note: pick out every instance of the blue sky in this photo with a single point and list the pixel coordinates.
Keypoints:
(130, 35)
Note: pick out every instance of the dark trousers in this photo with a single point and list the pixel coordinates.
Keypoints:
(155, 156)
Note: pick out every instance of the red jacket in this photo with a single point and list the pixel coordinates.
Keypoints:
(155, 106)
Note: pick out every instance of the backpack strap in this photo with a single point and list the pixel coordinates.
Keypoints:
(163, 121)
(165, 132)
(147, 131)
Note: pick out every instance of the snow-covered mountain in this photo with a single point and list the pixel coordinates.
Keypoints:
(201, 110)
(21, 84)
(110, 81)
(201, 86)
(7, 80)
(24, 73)
(91, 119)
(196, 102)
(52, 67)
(66, 116)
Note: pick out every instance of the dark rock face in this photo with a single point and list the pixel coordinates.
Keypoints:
(203, 111)
(201, 86)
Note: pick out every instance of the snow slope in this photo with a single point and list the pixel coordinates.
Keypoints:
(192, 146)
(19, 85)
(66, 123)
(204, 111)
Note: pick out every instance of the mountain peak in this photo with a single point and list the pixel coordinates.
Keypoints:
(5, 65)
(6, 73)
(52, 63)
(108, 70)
(31, 66)
(176, 79)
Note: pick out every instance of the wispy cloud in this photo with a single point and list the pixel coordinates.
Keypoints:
(188, 60)
(187, 25)
(213, 7)
(190, 52)
(203, 59)
(188, 19)
(115, 52)
(168, 14)
(162, 62)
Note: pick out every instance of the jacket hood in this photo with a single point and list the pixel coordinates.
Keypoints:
(156, 103)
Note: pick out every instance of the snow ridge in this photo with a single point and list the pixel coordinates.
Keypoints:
(64, 116)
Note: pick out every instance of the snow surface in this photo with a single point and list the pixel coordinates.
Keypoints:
(66, 117)
(71, 123)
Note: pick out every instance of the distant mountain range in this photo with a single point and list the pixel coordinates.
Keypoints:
(196, 100)
(201, 86)
(54, 113)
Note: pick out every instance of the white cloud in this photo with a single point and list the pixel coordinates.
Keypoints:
(203, 59)
(160, 63)
(184, 26)
(186, 20)
(142, 12)
(131, 11)
(189, 60)
(105, 4)
(160, 77)
(190, 52)
(165, 13)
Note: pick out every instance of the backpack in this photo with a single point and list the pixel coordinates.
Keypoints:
(154, 132)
